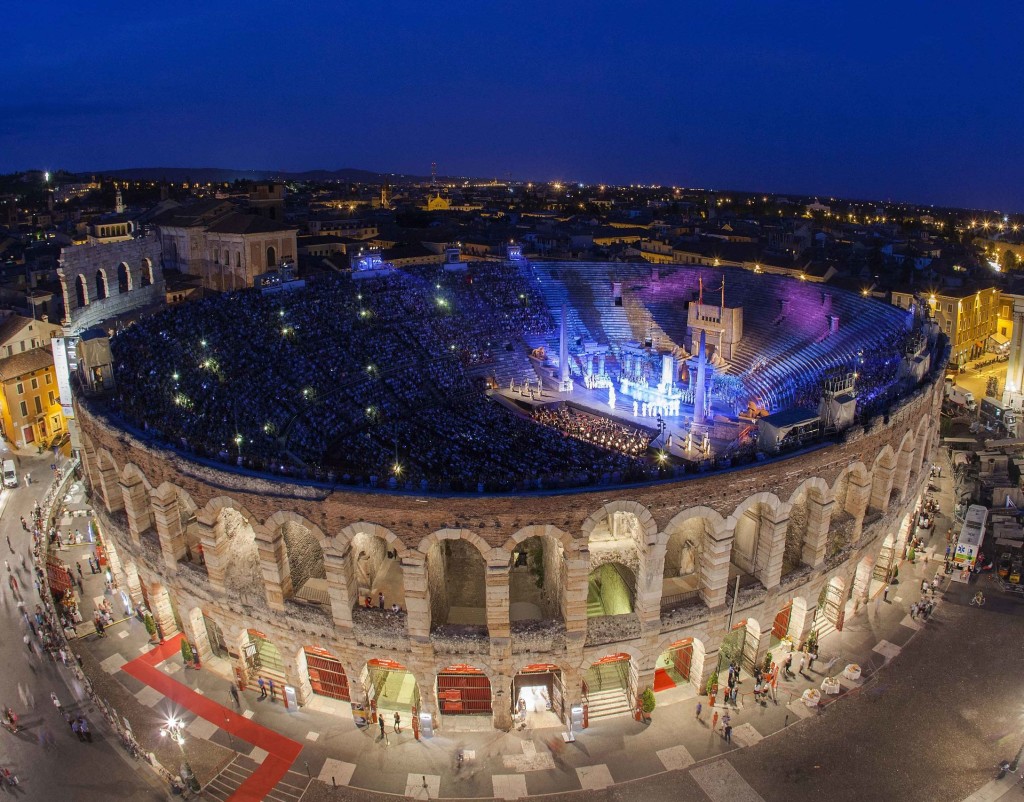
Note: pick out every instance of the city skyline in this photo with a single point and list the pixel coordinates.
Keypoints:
(907, 106)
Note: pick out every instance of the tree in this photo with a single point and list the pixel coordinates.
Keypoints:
(647, 703)
(1009, 261)
(186, 652)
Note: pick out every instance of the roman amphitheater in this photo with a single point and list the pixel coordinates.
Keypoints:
(398, 590)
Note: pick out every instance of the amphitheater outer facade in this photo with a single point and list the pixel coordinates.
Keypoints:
(832, 511)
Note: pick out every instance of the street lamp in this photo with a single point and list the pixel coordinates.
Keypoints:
(174, 729)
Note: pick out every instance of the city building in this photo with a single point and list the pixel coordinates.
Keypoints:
(30, 410)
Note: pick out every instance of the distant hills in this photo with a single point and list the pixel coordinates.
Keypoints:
(222, 174)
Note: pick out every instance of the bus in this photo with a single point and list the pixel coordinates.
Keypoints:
(968, 547)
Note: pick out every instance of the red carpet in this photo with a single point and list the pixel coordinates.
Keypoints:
(662, 680)
(281, 751)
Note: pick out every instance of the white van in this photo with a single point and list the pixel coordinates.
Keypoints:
(10, 474)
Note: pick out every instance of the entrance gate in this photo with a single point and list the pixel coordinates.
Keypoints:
(326, 674)
(215, 637)
(543, 683)
(390, 685)
(463, 690)
(781, 626)
(674, 666)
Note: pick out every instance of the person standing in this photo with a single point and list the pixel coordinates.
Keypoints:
(270, 687)
(398, 722)
(727, 733)
(263, 688)
(714, 721)
(380, 600)
(700, 707)
(383, 735)
(234, 695)
(885, 593)
(56, 702)
(800, 664)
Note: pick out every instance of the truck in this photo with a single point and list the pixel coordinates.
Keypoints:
(10, 474)
(972, 535)
(960, 396)
(993, 412)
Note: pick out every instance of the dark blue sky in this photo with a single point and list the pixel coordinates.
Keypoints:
(907, 101)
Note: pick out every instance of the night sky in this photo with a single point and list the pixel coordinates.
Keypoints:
(905, 101)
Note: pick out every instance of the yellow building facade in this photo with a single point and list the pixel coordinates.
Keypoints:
(30, 411)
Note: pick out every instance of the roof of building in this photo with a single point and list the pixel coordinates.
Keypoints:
(12, 324)
(28, 362)
(241, 223)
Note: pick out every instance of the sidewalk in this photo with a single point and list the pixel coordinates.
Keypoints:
(304, 753)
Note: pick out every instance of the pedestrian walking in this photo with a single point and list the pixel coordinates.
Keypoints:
(78, 659)
(380, 721)
(800, 664)
(700, 707)
(787, 665)
(714, 721)
(78, 565)
(380, 601)
(885, 593)
(270, 687)
(56, 702)
(9, 543)
(398, 722)
(234, 695)
(84, 733)
(913, 611)
(263, 688)
(727, 734)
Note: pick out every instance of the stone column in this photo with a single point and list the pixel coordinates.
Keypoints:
(801, 617)
(136, 506)
(215, 546)
(650, 583)
(341, 586)
(857, 493)
(417, 599)
(575, 574)
(160, 607)
(881, 488)
(819, 515)
(167, 517)
(110, 487)
(274, 567)
(497, 596)
(714, 567)
(771, 546)
(292, 674)
(501, 703)
(703, 664)
(196, 634)
(862, 582)
(901, 480)
(134, 584)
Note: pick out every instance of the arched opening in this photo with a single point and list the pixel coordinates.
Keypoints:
(739, 648)
(611, 590)
(882, 570)
(675, 666)
(538, 696)
(308, 578)
(81, 292)
(215, 637)
(463, 691)
(535, 580)
(377, 570)
(242, 574)
(797, 528)
(101, 285)
(124, 279)
(146, 275)
(682, 580)
(326, 674)
(263, 660)
(271, 257)
(845, 511)
(751, 546)
(608, 687)
(831, 608)
(390, 687)
(456, 580)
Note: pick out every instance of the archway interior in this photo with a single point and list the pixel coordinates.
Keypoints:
(101, 285)
(123, 278)
(535, 580)
(796, 534)
(743, 561)
(610, 590)
(81, 294)
(326, 674)
(681, 576)
(378, 569)
(242, 575)
(455, 577)
(673, 667)
(390, 686)
(538, 696)
(215, 636)
(263, 659)
(305, 563)
(463, 690)
(606, 687)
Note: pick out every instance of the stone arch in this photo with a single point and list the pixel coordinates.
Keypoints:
(806, 530)
(231, 545)
(146, 273)
(135, 491)
(850, 499)
(298, 548)
(538, 572)
(81, 291)
(679, 661)
(102, 289)
(372, 559)
(862, 580)
(461, 553)
(758, 545)
(271, 257)
(108, 472)
(688, 555)
(124, 279)
(618, 519)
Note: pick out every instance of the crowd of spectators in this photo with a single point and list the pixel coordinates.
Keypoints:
(370, 381)
(594, 429)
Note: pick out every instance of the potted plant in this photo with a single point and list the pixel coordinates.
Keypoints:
(712, 688)
(151, 628)
(647, 704)
(766, 666)
(187, 654)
